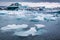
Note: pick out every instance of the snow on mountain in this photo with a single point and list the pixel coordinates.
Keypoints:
(32, 4)
(40, 4)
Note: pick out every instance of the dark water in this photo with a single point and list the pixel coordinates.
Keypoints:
(52, 27)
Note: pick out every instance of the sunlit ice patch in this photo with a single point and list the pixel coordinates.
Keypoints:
(13, 27)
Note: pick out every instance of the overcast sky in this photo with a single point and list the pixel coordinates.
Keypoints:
(30, 0)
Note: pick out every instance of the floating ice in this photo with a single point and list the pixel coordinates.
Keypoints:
(42, 16)
(3, 13)
(47, 17)
(32, 31)
(21, 14)
(39, 18)
(39, 25)
(16, 13)
(50, 18)
(14, 26)
(18, 30)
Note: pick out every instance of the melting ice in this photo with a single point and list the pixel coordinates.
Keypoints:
(20, 32)
(18, 29)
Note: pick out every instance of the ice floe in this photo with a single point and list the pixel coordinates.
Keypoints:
(39, 25)
(43, 17)
(50, 18)
(13, 26)
(19, 29)
(32, 31)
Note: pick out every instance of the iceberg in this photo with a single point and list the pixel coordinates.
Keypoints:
(19, 29)
(13, 27)
(32, 31)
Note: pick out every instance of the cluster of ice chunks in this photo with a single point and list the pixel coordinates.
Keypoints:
(32, 16)
(18, 29)
(44, 17)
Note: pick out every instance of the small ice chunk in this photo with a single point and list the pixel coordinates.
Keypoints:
(2, 13)
(49, 15)
(50, 18)
(39, 25)
(54, 18)
(40, 18)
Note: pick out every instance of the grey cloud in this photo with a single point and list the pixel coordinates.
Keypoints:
(30, 0)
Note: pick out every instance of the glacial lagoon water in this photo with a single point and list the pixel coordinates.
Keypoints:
(27, 25)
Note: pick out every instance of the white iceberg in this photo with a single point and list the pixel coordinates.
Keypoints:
(13, 26)
(32, 31)
(19, 30)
